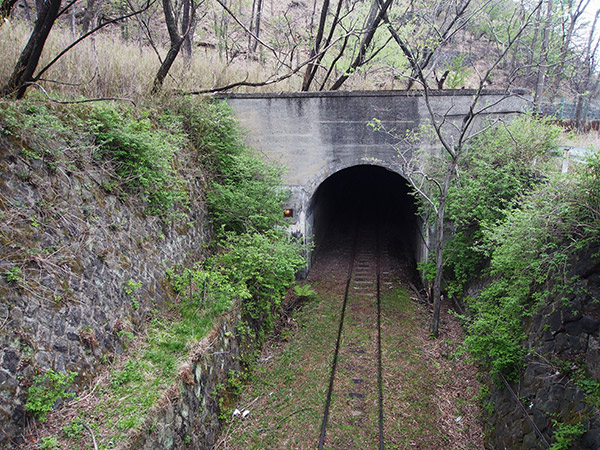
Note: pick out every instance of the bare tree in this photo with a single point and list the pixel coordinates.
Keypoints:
(574, 12)
(452, 135)
(543, 57)
(586, 81)
(176, 37)
(312, 67)
(255, 19)
(374, 20)
(27, 63)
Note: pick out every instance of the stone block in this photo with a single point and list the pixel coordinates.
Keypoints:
(592, 357)
(555, 321)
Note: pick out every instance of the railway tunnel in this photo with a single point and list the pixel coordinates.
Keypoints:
(370, 197)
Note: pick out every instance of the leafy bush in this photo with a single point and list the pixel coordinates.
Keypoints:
(46, 389)
(249, 197)
(498, 167)
(144, 156)
(304, 290)
(266, 262)
(565, 434)
(530, 250)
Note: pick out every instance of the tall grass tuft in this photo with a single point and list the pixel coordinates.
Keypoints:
(104, 65)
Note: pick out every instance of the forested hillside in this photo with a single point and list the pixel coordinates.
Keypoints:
(128, 49)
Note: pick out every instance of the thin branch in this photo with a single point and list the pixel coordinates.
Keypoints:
(66, 8)
(93, 436)
(77, 41)
(263, 83)
(245, 28)
(72, 102)
(64, 83)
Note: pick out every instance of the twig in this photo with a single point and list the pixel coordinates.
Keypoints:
(71, 102)
(10, 440)
(254, 36)
(5, 320)
(261, 83)
(93, 436)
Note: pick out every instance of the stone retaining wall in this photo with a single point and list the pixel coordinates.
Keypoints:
(90, 266)
(562, 338)
(188, 416)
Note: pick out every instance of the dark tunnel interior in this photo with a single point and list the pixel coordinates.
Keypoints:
(366, 196)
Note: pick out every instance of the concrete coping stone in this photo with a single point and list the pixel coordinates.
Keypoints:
(389, 93)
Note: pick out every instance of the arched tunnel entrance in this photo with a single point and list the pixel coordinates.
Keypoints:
(372, 197)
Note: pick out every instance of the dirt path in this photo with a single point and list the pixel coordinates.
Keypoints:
(428, 392)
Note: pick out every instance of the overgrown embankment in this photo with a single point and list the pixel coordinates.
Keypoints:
(532, 235)
(105, 234)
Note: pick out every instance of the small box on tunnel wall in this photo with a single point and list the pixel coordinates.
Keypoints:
(288, 212)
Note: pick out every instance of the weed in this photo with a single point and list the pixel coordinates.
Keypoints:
(74, 429)
(131, 372)
(46, 389)
(49, 443)
(143, 156)
(304, 290)
(131, 287)
(565, 434)
(13, 275)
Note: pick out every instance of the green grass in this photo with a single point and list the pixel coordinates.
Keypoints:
(291, 386)
(287, 393)
(134, 386)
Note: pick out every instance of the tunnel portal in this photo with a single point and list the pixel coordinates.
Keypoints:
(370, 197)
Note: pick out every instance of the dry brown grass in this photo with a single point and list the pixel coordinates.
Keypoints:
(107, 66)
(589, 140)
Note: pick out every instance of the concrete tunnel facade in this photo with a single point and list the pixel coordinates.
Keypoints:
(377, 198)
(323, 139)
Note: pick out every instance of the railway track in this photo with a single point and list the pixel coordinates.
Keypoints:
(355, 391)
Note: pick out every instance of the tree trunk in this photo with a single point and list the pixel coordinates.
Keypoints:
(188, 26)
(573, 17)
(72, 20)
(312, 67)
(88, 16)
(256, 27)
(375, 17)
(534, 40)
(176, 39)
(541, 75)
(439, 245)
(163, 71)
(26, 11)
(593, 95)
(30, 56)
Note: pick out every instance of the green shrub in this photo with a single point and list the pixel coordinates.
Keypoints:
(565, 434)
(530, 252)
(499, 166)
(14, 274)
(248, 196)
(46, 389)
(304, 290)
(266, 263)
(49, 443)
(143, 155)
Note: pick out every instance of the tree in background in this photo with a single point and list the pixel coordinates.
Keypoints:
(23, 71)
(177, 35)
(452, 134)
(47, 14)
